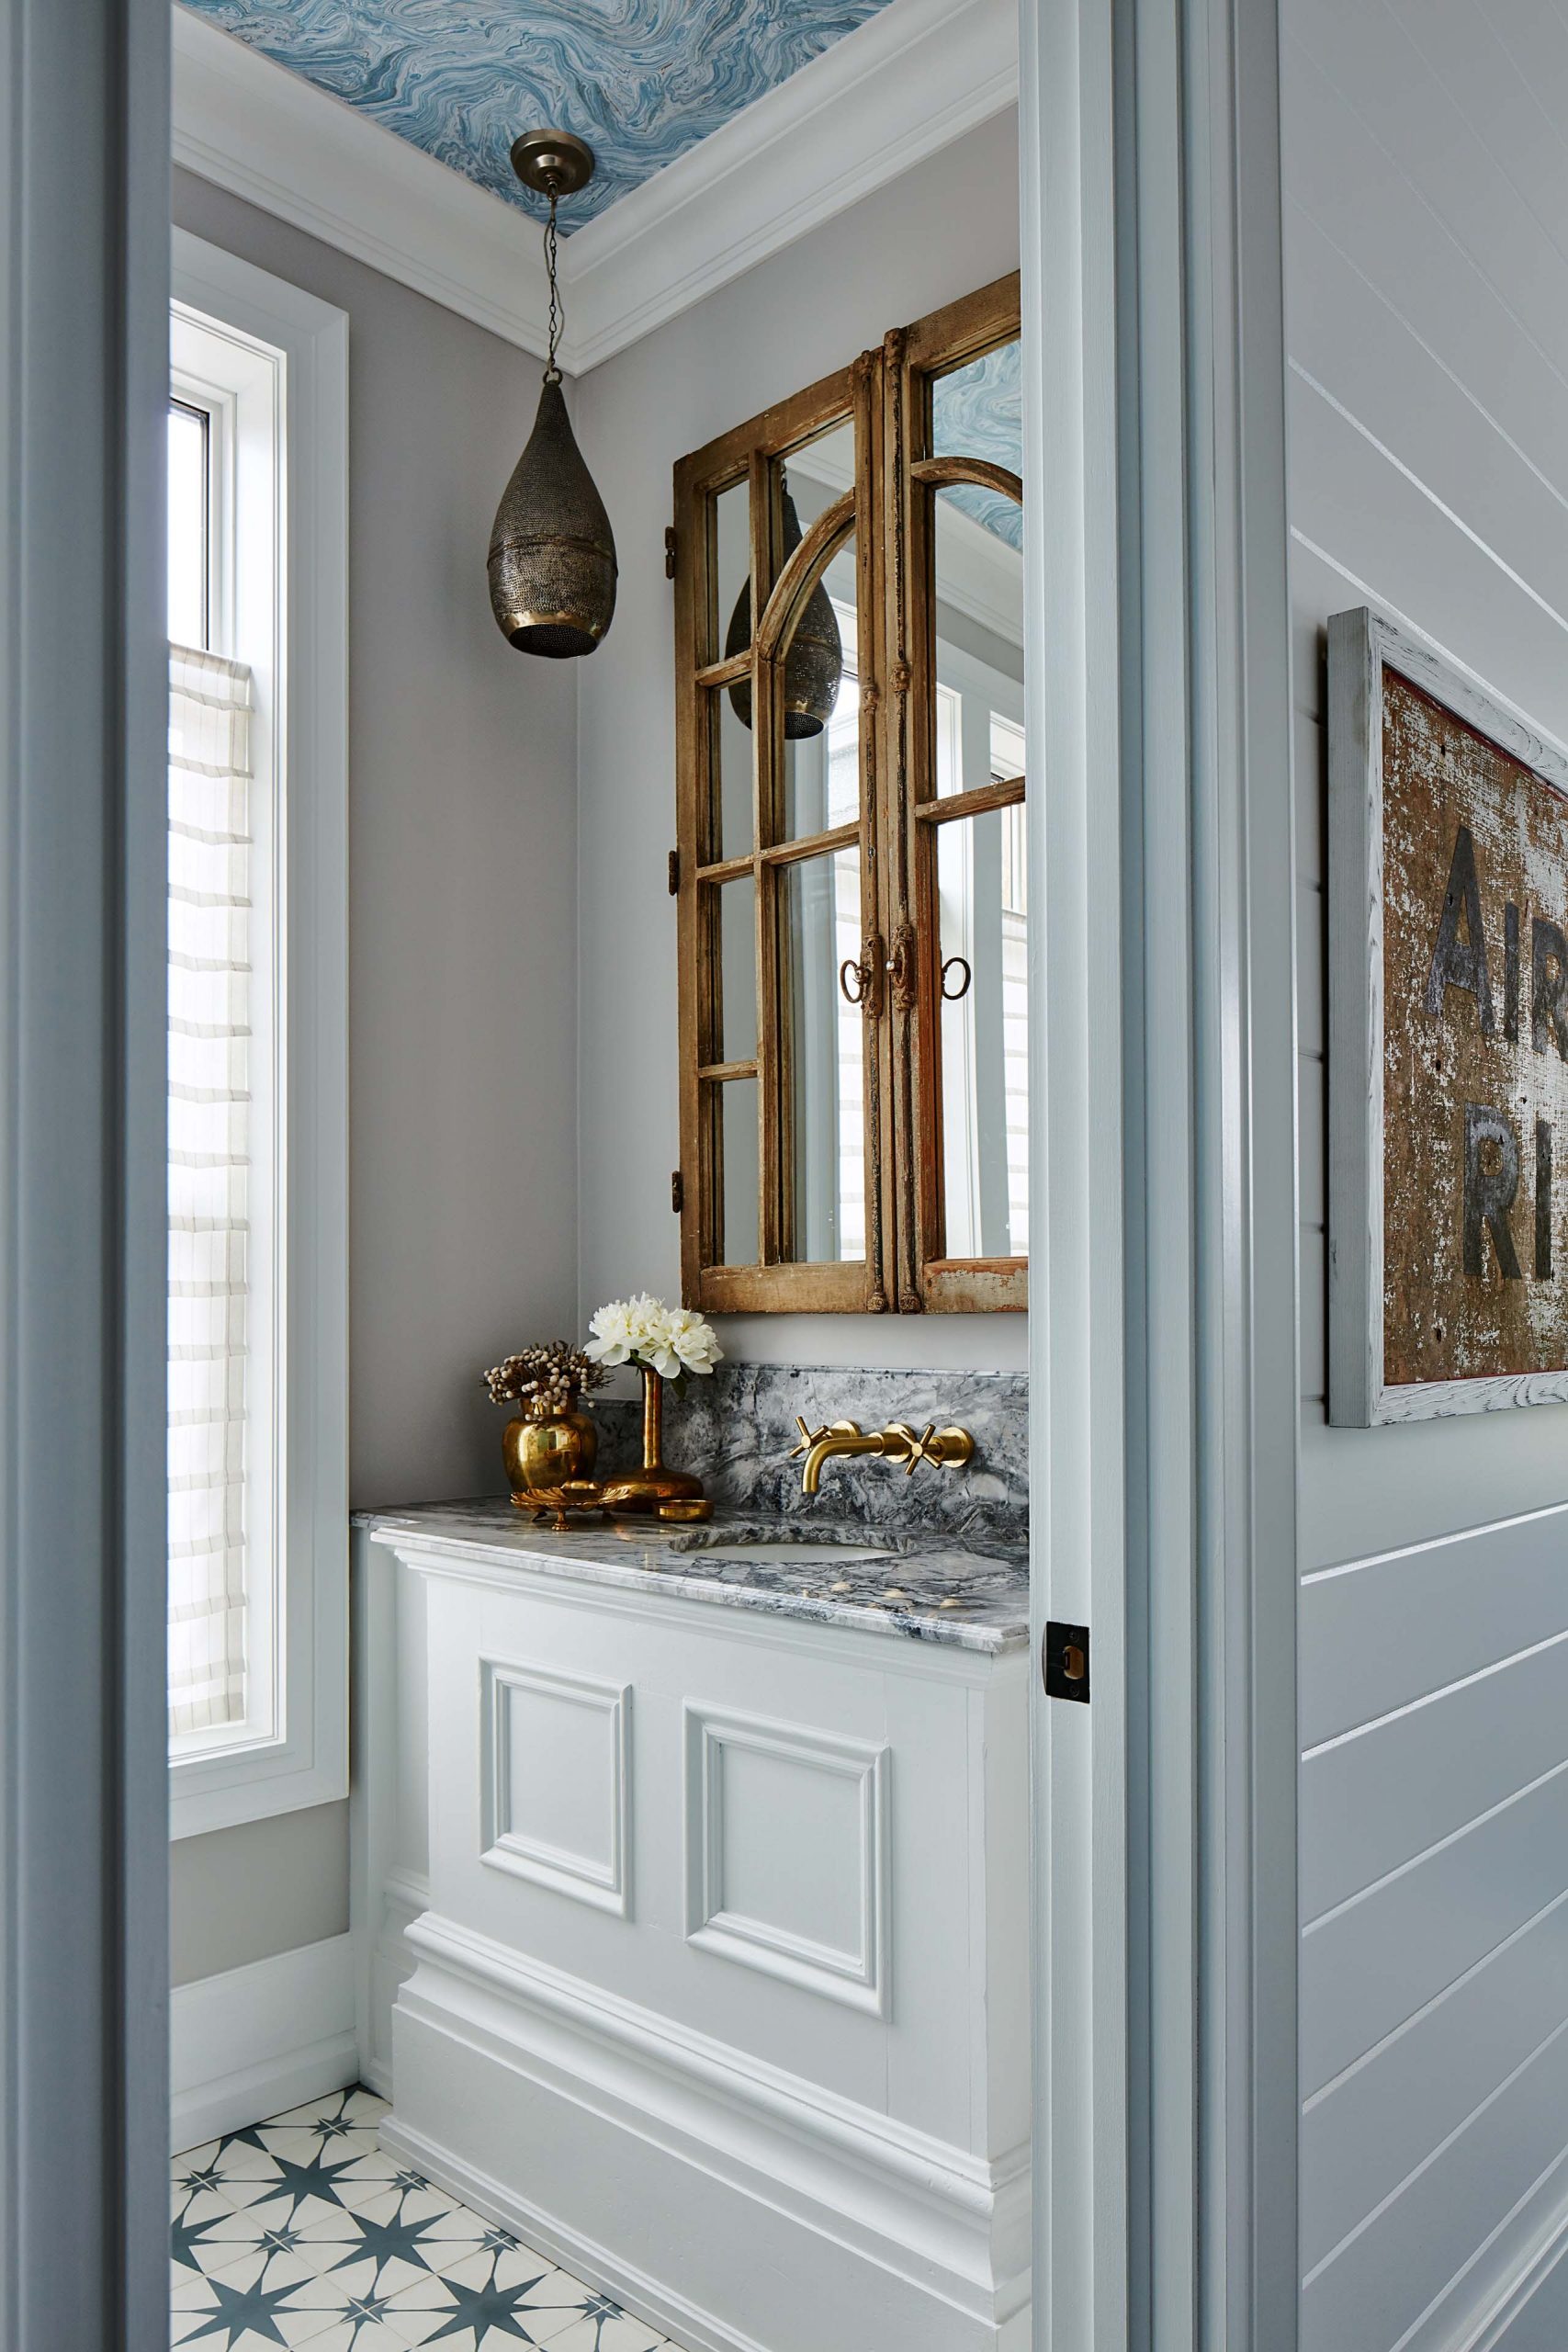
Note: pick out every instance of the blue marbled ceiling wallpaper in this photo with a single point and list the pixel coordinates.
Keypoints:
(977, 412)
(640, 80)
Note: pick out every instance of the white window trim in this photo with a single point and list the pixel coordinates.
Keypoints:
(304, 1761)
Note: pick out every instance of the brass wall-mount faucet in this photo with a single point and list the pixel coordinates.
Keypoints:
(950, 1448)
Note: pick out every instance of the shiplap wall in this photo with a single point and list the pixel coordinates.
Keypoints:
(1426, 273)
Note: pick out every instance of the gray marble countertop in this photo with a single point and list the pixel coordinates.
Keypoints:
(924, 1586)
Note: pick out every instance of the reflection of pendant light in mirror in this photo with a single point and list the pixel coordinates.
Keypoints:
(815, 662)
(552, 554)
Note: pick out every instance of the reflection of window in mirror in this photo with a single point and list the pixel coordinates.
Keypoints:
(850, 836)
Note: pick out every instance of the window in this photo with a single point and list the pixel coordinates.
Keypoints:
(850, 833)
(257, 1044)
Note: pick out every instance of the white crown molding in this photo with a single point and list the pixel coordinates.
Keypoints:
(902, 85)
(905, 84)
(273, 138)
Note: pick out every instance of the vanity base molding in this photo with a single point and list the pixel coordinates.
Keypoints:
(694, 2181)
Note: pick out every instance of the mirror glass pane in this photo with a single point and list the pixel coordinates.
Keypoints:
(739, 1187)
(820, 783)
(732, 782)
(822, 1061)
(977, 412)
(822, 469)
(735, 951)
(984, 925)
(731, 567)
(978, 549)
(979, 646)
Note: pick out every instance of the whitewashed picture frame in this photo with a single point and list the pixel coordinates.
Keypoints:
(1362, 646)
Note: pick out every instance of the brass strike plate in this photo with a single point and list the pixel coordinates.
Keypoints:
(1064, 1657)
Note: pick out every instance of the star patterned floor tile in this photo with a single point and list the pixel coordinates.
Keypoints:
(354, 2110)
(412, 2200)
(301, 2231)
(320, 2245)
(541, 2300)
(362, 2335)
(605, 2327)
(259, 2302)
(297, 2142)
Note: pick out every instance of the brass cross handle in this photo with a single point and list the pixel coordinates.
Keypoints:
(809, 1438)
(945, 1449)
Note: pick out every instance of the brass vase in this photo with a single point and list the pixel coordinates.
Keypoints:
(546, 1448)
(645, 1489)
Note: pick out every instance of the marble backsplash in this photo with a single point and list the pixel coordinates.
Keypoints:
(736, 1431)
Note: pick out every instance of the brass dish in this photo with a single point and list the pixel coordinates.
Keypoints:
(576, 1498)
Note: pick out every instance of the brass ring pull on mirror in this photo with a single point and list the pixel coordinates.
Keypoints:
(857, 994)
(952, 996)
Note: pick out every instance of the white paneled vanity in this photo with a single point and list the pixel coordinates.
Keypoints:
(691, 1900)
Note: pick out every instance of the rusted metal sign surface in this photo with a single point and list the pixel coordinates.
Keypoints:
(1450, 858)
(1475, 1036)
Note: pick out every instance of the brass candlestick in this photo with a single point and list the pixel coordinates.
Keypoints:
(642, 1491)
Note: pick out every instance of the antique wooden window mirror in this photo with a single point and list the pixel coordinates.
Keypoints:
(850, 861)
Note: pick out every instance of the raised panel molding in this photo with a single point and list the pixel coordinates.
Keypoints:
(736, 1824)
(905, 84)
(598, 1874)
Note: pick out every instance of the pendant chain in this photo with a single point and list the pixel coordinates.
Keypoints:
(558, 312)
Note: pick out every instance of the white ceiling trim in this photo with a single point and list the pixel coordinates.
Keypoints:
(913, 77)
(270, 136)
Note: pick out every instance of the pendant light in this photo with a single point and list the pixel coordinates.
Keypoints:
(815, 662)
(552, 553)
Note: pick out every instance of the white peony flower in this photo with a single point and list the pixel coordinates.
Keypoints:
(626, 1328)
(612, 1340)
(643, 1331)
(693, 1339)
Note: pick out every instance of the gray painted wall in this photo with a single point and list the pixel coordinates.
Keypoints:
(468, 1228)
(945, 227)
(244, 1894)
(462, 887)
(1426, 184)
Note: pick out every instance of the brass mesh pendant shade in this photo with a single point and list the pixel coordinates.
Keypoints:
(552, 552)
(815, 662)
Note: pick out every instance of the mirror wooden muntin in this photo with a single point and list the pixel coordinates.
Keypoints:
(886, 393)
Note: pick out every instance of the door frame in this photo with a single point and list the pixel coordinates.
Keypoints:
(84, 725)
(1164, 1347)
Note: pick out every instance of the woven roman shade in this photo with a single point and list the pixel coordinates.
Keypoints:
(211, 974)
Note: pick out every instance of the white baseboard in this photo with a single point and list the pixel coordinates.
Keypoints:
(659, 2136)
(583, 2256)
(258, 2039)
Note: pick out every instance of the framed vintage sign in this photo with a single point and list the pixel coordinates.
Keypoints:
(1448, 1076)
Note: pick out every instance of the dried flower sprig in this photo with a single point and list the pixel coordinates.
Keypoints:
(548, 1378)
